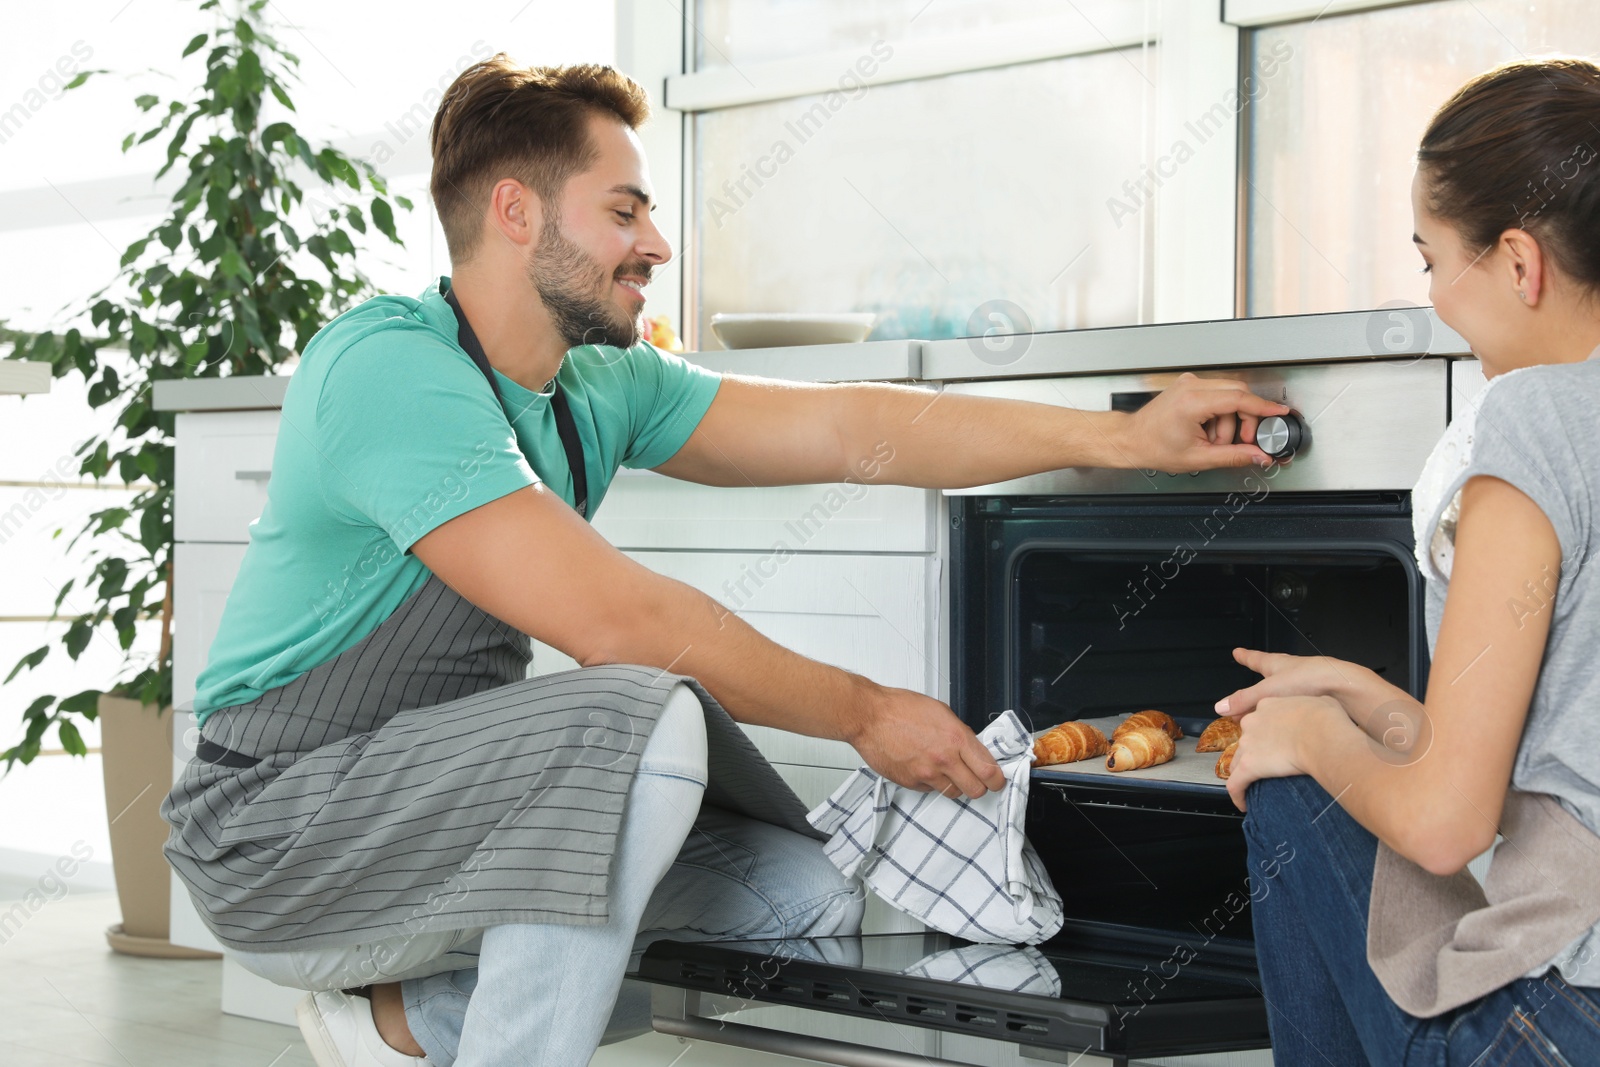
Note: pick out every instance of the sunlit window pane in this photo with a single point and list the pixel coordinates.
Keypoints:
(923, 200)
(1333, 145)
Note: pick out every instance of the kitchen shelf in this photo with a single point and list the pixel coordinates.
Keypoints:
(22, 377)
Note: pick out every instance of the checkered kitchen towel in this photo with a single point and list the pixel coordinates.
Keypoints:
(962, 866)
(1017, 970)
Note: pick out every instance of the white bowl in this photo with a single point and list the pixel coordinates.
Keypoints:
(762, 330)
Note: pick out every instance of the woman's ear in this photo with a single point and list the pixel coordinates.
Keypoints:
(1523, 264)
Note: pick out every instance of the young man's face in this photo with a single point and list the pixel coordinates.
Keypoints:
(597, 251)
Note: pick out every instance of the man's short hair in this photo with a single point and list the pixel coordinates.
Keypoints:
(502, 120)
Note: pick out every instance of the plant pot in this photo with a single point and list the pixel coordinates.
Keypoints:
(136, 756)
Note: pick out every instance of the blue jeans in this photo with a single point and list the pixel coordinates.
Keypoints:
(1325, 1005)
(545, 995)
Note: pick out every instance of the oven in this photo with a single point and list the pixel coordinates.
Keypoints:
(1090, 594)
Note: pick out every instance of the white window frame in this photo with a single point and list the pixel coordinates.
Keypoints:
(1196, 235)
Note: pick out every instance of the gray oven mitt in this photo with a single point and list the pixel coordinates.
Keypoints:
(961, 866)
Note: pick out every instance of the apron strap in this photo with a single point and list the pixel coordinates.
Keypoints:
(566, 426)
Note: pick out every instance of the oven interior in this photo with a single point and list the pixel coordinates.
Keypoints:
(1081, 608)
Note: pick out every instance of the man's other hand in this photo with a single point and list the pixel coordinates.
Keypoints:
(1198, 424)
(918, 742)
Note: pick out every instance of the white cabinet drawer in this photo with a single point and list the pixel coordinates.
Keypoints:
(874, 615)
(201, 577)
(645, 510)
(222, 464)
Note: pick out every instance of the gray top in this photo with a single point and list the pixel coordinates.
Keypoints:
(1536, 430)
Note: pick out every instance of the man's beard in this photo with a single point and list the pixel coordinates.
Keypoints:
(577, 293)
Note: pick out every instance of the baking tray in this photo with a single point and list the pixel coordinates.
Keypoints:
(1187, 767)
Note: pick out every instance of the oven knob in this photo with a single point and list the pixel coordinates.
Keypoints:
(1281, 436)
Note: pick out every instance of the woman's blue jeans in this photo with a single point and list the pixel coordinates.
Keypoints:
(1325, 1005)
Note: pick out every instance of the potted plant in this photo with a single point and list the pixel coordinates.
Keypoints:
(257, 252)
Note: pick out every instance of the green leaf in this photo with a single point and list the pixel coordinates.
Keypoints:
(233, 263)
(135, 250)
(277, 91)
(63, 593)
(71, 740)
(273, 134)
(383, 218)
(82, 703)
(146, 101)
(77, 638)
(195, 44)
(82, 77)
(29, 662)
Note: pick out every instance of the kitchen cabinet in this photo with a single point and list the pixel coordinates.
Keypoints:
(646, 510)
(866, 613)
(222, 463)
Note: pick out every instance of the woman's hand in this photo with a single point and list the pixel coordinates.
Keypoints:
(1283, 675)
(1271, 737)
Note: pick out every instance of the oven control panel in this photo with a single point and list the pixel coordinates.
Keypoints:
(1374, 422)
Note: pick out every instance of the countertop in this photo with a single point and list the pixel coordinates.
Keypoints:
(869, 361)
(1400, 333)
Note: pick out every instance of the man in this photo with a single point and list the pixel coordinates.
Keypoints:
(381, 800)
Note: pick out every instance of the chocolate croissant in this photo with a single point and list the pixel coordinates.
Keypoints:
(1218, 735)
(1158, 720)
(1225, 761)
(1142, 746)
(1068, 743)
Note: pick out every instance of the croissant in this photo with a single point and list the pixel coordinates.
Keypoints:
(1225, 761)
(1158, 720)
(1068, 743)
(1142, 746)
(1218, 735)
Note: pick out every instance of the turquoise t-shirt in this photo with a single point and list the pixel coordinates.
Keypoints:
(388, 431)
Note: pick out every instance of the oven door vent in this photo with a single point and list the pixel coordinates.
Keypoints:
(923, 1003)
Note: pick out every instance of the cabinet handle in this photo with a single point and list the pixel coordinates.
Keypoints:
(252, 476)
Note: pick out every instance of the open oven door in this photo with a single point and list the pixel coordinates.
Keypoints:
(1109, 993)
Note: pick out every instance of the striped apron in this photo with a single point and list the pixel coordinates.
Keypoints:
(418, 782)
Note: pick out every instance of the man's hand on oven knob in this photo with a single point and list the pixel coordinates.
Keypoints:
(1198, 424)
(917, 742)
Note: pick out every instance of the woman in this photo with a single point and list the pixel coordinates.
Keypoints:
(1378, 946)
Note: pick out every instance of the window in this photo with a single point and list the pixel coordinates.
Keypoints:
(922, 164)
(923, 200)
(1333, 145)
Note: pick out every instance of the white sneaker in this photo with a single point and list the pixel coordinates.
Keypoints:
(339, 1031)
